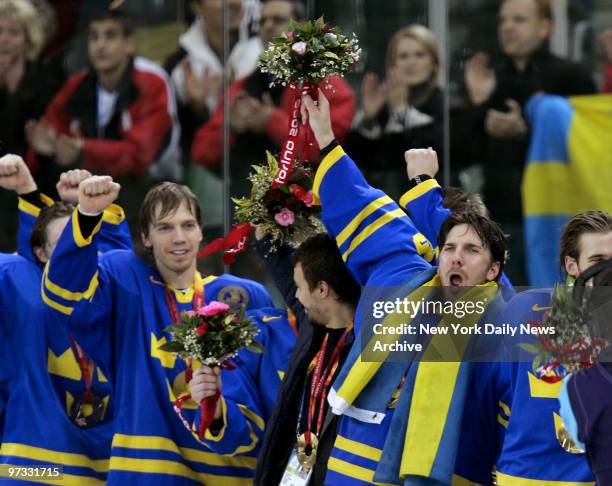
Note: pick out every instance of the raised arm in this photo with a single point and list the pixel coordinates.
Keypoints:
(76, 289)
(374, 235)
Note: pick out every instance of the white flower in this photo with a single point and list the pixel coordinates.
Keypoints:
(299, 47)
(331, 39)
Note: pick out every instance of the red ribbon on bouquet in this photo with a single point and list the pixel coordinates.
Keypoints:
(207, 406)
(236, 241)
(292, 148)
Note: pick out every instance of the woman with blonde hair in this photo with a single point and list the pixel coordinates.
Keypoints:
(402, 112)
(26, 87)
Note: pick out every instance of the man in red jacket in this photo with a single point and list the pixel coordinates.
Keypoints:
(118, 117)
(259, 115)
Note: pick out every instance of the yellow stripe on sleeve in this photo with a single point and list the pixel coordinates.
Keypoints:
(350, 228)
(68, 294)
(77, 234)
(417, 191)
(371, 229)
(330, 159)
(114, 214)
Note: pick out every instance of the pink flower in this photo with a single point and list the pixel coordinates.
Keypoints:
(191, 313)
(201, 330)
(307, 199)
(299, 47)
(289, 35)
(285, 217)
(213, 309)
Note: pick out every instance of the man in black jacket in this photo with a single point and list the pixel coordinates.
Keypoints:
(322, 294)
(497, 91)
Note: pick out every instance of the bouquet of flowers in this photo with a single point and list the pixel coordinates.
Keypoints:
(309, 52)
(212, 334)
(572, 346)
(284, 211)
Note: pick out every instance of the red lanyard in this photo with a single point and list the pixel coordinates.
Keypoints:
(322, 379)
(84, 366)
(198, 301)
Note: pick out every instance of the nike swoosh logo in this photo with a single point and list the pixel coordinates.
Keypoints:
(270, 318)
(537, 308)
(424, 242)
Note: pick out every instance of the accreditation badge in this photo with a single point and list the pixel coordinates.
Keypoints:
(295, 473)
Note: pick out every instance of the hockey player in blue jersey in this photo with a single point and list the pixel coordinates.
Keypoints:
(532, 452)
(375, 238)
(428, 205)
(58, 410)
(118, 310)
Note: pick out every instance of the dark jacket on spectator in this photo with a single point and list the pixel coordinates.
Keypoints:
(503, 159)
(280, 435)
(378, 145)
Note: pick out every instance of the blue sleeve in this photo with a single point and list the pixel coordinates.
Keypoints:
(374, 235)
(425, 205)
(114, 232)
(78, 292)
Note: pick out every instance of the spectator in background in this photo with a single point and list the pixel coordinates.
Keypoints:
(403, 112)
(493, 123)
(259, 115)
(26, 87)
(197, 66)
(118, 117)
(605, 39)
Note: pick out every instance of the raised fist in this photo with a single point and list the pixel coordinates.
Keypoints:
(96, 194)
(68, 184)
(421, 162)
(15, 175)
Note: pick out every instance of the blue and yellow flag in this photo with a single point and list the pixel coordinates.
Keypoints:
(568, 170)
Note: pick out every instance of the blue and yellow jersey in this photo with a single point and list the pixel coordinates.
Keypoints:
(531, 453)
(117, 311)
(425, 205)
(114, 232)
(44, 380)
(378, 242)
(250, 390)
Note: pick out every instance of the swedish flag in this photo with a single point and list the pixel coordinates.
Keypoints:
(568, 170)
